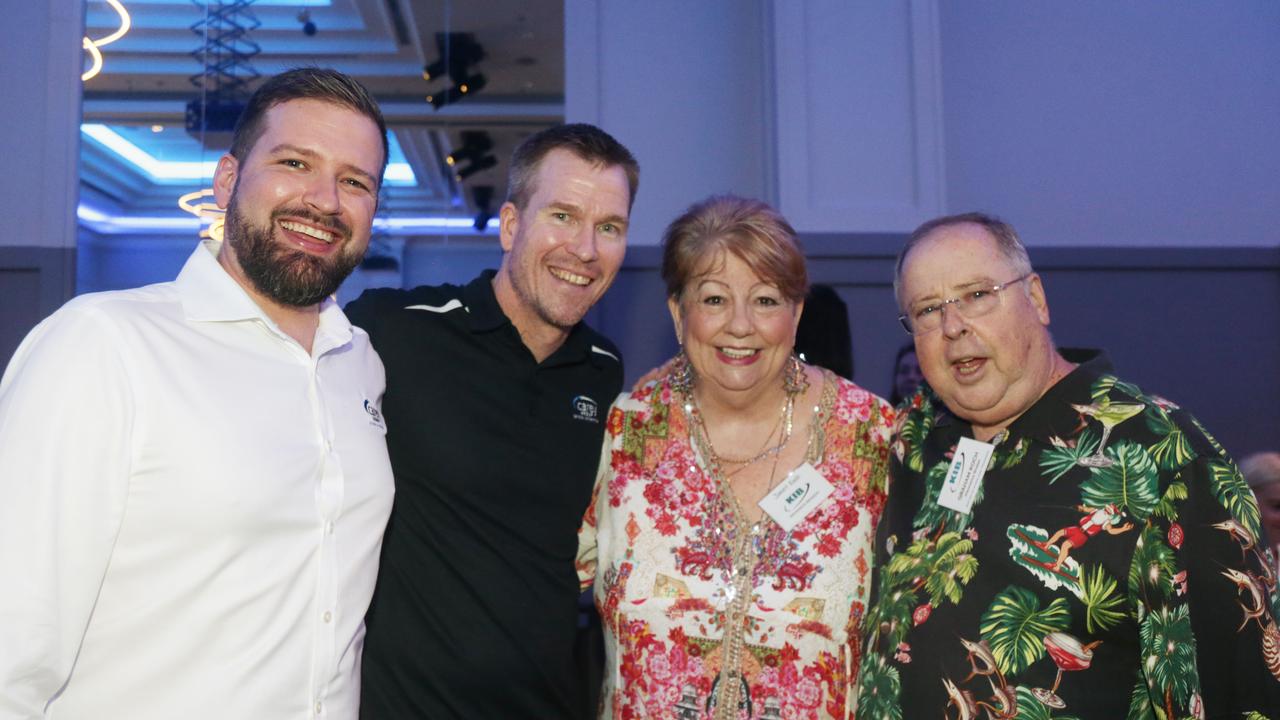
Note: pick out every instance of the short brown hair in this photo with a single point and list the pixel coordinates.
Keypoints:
(307, 83)
(751, 230)
(588, 142)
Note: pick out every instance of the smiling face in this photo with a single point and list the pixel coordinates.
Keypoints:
(300, 205)
(990, 369)
(737, 329)
(563, 249)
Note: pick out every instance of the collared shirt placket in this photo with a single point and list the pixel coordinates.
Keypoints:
(329, 495)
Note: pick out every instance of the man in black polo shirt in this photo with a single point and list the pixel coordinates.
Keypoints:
(496, 395)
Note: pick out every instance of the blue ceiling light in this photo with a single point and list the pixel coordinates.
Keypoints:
(173, 159)
(105, 223)
(167, 172)
(257, 3)
(429, 225)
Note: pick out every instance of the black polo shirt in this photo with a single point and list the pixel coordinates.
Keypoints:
(494, 455)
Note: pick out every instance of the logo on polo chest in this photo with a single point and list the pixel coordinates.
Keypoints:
(585, 408)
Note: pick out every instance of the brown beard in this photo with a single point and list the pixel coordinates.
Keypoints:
(286, 275)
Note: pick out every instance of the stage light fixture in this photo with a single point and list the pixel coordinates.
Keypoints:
(468, 86)
(308, 25)
(474, 144)
(474, 150)
(483, 197)
(458, 52)
(476, 166)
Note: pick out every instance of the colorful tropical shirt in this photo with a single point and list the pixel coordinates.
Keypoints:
(654, 542)
(1112, 566)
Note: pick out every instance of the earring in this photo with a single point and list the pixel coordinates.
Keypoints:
(681, 374)
(794, 380)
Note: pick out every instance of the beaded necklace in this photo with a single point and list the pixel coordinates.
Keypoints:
(730, 692)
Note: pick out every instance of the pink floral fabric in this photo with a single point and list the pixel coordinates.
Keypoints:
(652, 543)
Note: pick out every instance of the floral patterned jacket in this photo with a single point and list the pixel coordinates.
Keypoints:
(1112, 567)
(653, 542)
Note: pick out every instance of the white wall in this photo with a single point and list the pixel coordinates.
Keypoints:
(681, 84)
(1086, 123)
(1095, 122)
(40, 118)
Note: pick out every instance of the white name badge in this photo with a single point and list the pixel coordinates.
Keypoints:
(798, 494)
(964, 477)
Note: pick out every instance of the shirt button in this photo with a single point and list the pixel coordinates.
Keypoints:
(328, 527)
(319, 707)
(328, 616)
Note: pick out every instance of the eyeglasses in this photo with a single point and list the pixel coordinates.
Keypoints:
(972, 304)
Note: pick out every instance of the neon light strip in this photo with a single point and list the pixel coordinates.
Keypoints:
(407, 225)
(107, 224)
(173, 170)
(93, 45)
(256, 4)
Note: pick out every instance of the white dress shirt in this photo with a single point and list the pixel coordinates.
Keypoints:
(191, 508)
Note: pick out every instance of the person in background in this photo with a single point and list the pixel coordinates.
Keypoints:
(1262, 472)
(823, 336)
(1057, 542)
(729, 538)
(193, 475)
(906, 374)
(495, 402)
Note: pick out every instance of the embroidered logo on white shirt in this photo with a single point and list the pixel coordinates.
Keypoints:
(375, 415)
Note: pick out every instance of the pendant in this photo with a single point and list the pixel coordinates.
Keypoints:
(722, 597)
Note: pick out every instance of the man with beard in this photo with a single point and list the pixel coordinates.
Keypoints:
(193, 475)
(496, 397)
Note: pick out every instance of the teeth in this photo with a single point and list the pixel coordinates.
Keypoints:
(737, 353)
(569, 277)
(316, 233)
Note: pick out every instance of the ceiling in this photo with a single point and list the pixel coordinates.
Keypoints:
(137, 156)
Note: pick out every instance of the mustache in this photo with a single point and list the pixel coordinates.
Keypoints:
(331, 224)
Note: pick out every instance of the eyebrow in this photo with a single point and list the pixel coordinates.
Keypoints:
(706, 280)
(979, 283)
(286, 148)
(961, 288)
(560, 206)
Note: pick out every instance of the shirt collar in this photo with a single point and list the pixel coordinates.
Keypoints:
(483, 311)
(209, 294)
(485, 315)
(1044, 418)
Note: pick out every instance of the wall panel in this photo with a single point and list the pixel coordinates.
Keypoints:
(33, 283)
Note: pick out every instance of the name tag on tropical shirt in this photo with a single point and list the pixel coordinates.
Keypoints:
(964, 477)
(798, 494)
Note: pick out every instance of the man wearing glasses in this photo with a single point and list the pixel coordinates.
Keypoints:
(1055, 539)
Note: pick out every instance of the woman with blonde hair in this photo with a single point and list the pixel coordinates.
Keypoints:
(730, 535)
